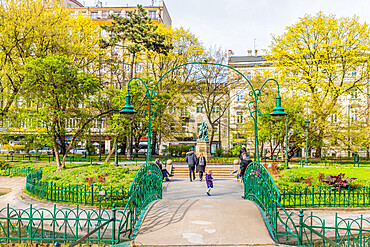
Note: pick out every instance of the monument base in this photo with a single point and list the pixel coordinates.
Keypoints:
(203, 147)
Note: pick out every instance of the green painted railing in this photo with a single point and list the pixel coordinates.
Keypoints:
(69, 225)
(65, 225)
(75, 194)
(325, 197)
(260, 188)
(296, 229)
(146, 187)
(50, 158)
(342, 232)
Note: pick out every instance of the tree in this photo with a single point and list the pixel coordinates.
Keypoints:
(135, 34)
(36, 28)
(59, 90)
(212, 89)
(270, 131)
(323, 58)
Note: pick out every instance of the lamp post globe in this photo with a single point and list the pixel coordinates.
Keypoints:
(278, 112)
(128, 110)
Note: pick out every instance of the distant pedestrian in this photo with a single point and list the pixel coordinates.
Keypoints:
(209, 181)
(164, 171)
(241, 151)
(244, 164)
(201, 165)
(191, 159)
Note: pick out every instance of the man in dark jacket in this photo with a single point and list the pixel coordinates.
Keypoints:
(244, 164)
(191, 159)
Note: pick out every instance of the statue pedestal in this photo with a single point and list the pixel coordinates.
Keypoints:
(203, 147)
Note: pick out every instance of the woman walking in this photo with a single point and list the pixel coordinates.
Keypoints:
(201, 165)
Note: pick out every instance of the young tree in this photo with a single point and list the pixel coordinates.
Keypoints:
(135, 34)
(324, 58)
(60, 90)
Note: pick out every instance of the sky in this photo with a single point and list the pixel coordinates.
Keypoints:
(241, 25)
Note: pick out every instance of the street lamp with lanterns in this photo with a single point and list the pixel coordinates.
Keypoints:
(307, 124)
(128, 111)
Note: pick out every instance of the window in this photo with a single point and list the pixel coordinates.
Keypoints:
(105, 14)
(139, 68)
(184, 128)
(103, 33)
(117, 13)
(239, 95)
(239, 117)
(153, 14)
(249, 75)
(199, 108)
(172, 110)
(184, 112)
(216, 108)
(354, 73)
(94, 15)
(354, 94)
(215, 129)
(126, 67)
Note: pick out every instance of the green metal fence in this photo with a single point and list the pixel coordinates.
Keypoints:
(75, 194)
(146, 187)
(296, 229)
(33, 225)
(68, 225)
(325, 197)
(260, 188)
(50, 158)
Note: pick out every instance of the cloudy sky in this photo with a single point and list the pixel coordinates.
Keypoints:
(241, 25)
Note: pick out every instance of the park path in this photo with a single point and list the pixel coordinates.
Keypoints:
(186, 216)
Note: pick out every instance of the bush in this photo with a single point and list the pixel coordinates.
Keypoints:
(293, 178)
(219, 151)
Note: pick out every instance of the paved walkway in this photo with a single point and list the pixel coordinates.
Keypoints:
(186, 216)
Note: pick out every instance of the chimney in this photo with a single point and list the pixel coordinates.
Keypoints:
(249, 52)
(255, 52)
(229, 53)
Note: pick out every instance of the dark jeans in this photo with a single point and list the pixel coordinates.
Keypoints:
(201, 175)
(192, 170)
(165, 173)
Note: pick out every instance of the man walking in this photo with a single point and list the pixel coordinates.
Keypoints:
(191, 159)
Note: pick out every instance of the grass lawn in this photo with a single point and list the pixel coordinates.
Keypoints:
(81, 174)
(305, 177)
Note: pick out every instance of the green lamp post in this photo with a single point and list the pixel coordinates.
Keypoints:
(307, 124)
(100, 126)
(277, 113)
(286, 143)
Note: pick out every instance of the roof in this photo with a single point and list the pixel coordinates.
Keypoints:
(247, 59)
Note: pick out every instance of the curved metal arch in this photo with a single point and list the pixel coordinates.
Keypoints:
(205, 63)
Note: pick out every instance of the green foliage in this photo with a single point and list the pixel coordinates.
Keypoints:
(219, 151)
(90, 148)
(295, 176)
(235, 150)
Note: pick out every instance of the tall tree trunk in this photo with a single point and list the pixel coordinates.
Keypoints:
(60, 165)
(113, 149)
(367, 153)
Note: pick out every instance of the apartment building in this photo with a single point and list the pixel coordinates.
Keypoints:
(103, 14)
(251, 65)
